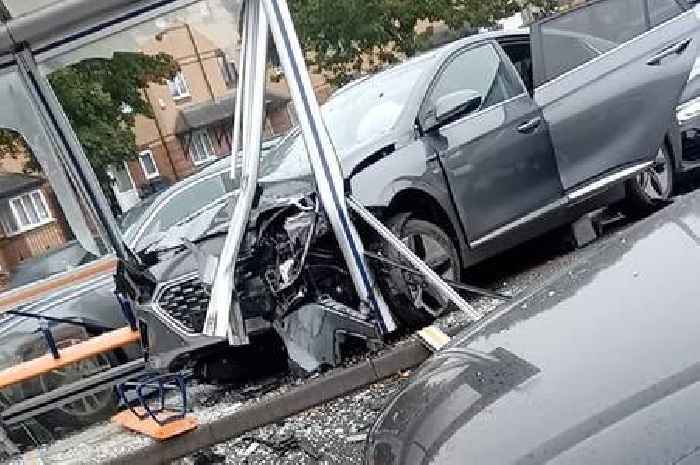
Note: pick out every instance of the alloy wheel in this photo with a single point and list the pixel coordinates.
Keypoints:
(437, 257)
(656, 181)
(89, 404)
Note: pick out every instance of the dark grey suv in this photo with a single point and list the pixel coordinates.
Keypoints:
(464, 151)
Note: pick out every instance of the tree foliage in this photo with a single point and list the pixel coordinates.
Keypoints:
(343, 37)
(102, 97)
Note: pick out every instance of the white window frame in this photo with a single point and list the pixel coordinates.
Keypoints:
(205, 139)
(178, 87)
(32, 195)
(156, 173)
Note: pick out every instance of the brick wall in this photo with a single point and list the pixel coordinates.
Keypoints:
(32, 243)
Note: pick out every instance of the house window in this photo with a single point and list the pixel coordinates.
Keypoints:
(201, 147)
(148, 164)
(178, 86)
(29, 211)
(228, 70)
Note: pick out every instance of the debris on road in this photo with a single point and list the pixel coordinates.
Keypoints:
(333, 433)
(326, 428)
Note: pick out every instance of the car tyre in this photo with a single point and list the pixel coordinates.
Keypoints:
(651, 188)
(87, 410)
(412, 301)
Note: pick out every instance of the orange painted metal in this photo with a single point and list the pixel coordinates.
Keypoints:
(151, 428)
(101, 344)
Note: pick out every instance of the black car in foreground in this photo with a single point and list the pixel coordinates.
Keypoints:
(600, 365)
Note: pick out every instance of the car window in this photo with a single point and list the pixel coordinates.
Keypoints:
(662, 10)
(479, 69)
(364, 110)
(521, 57)
(133, 216)
(578, 36)
(184, 203)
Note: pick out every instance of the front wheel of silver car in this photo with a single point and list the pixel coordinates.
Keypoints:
(86, 410)
(652, 187)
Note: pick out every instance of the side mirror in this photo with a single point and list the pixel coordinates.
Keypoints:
(452, 106)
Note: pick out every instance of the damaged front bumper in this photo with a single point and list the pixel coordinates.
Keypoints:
(290, 281)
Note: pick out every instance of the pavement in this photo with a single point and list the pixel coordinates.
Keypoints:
(334, 432)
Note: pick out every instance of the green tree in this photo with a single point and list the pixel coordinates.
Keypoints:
(345, 36)
(102, 97)
(11, 144)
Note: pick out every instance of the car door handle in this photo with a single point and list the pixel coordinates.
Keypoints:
(675, 49)
(530, 126)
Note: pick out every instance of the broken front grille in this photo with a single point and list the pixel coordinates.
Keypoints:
(186, 302)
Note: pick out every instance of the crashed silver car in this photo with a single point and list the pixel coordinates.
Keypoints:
(463, 152)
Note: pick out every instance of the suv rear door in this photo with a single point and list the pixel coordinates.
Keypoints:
(608, 76)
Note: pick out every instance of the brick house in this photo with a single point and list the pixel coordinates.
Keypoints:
(193, 113)
(31, 222)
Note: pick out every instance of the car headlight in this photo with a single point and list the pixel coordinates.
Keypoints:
(688, 110)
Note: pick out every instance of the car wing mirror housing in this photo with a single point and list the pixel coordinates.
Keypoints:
(451, 107)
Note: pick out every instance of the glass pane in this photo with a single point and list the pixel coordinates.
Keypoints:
(27, 156)
(39, 205)
(7, 218)
(663, 10)
(576, 37)
(358, 113)
(479, 69)
(29, 208)
(181, 202)
(143, 68)
(149, 166)
(122, 180)
(196, 149)
(19, 210)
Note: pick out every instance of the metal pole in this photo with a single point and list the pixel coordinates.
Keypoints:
(238, 110)
(433, 278)
(224, 317)
(324, 160)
